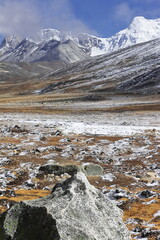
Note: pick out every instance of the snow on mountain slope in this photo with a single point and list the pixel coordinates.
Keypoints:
(11, 41)
(9, 44)
(15, 49)
(53, 50)
(140, 30)
(135, 69)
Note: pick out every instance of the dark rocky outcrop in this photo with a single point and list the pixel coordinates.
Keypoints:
(57, 169)
(75, 210)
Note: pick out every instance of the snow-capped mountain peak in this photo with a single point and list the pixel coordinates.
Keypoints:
(145, 28)
(140, 30)
(138, 23)
(45, 35)
(11, 41)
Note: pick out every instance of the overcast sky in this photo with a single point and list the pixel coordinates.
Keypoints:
(99, 17)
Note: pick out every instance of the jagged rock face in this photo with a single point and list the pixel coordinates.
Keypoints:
(11, 41)
(74, 210)
(53, 50)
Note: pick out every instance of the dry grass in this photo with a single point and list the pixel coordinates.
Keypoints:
(136, 209)
(10, 140)
(143, 212)
(23, 195)
(64, 103)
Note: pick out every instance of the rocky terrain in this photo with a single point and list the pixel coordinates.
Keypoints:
(129, 154)
(99, 116)
(74, 210)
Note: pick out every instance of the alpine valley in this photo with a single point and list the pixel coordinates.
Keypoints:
(80, 132)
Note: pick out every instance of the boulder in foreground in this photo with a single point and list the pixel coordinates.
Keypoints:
(74, 210)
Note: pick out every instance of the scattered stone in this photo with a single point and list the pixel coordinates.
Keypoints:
(5, 161)
(92, 170)
(17, 127)
(108, 177)
(7, 193)
(118, 193)
(149, 232)
(57, 133)
(65, 140)
(146, 194)
(29, 183)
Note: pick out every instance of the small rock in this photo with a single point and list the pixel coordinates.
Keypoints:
(146, 194)
(92, 170)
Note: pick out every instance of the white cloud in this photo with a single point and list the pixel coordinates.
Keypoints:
(18, 17)
(24, 17)
(123, 13)
(62, 17)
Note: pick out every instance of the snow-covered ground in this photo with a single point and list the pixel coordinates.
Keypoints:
(117, 124)
(126, 145)
(103, 129)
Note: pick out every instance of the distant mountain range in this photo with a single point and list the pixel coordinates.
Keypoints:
(66, 47)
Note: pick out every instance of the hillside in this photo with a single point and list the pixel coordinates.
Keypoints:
(134, 69)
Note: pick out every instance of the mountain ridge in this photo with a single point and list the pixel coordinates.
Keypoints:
(15, 49)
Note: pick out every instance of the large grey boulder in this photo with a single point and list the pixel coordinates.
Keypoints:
(75, 210)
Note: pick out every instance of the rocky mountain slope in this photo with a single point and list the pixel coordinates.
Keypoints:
(134, 69)
(53, 45)
(13, 72)
(29, 51)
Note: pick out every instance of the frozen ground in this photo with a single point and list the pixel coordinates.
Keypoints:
(111, 124)
(126, 145)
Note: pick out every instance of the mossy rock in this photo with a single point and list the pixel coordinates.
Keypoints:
(57, 169)
(92, 170)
